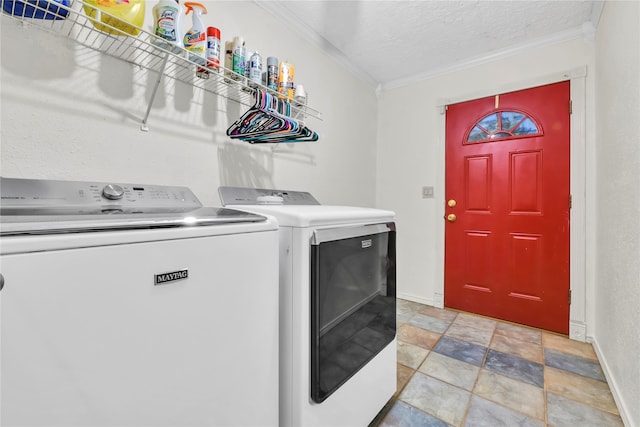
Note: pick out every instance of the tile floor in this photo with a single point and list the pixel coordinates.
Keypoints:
(459, 369)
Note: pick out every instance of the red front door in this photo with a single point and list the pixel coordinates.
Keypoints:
(508, 201)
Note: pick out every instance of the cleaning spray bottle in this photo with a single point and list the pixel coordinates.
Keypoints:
(195, 40)
(167, 15)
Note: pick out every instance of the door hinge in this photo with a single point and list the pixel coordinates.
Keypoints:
(570, 106)
(569, 296)
(570, 201)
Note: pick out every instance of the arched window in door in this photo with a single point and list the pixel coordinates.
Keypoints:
(503, 125)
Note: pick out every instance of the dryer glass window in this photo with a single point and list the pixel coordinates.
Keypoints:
(353, 306)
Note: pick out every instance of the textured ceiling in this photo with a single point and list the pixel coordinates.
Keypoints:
(393, 42)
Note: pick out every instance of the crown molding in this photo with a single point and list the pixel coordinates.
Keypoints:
(584, 31)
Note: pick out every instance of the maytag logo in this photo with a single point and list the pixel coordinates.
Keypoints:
(366, 243)
(173, 276)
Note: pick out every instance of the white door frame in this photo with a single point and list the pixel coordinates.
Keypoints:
(578, 213)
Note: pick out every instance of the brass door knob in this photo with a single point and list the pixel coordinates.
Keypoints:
(451, 203)
(451, 217)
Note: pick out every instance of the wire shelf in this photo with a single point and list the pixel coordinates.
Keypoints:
(144, 49)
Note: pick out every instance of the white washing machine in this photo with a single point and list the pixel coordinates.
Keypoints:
(338, 306)
(131, 305)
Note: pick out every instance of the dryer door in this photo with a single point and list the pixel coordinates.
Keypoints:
(353, 302)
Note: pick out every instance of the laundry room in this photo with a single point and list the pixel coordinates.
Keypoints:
(82, 103)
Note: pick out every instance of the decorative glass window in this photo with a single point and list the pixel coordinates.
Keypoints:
(502, 125)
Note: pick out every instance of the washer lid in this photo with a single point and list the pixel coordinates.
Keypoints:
(317, 216)
(31, 206)
(85, 223)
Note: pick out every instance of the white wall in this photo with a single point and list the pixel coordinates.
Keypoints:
(617, 291)
(72, 114)
(411, 150)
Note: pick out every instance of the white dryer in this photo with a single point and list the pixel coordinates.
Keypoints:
(133, 305)
(338, 306)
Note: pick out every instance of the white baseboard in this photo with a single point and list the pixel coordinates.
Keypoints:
(578, 331)
(417, 299)
(622, 408)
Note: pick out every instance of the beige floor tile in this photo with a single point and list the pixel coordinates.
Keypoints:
(411, 355)
(438, 313)
(404, 375)
(519, 332)
(564, 412)
(466, 333)
(402, 318)
(404, 306)
(476, 322)
(582, 389)
(450, 370)
(417, 336)
(521, 397)
(566, 345)
(515, 347)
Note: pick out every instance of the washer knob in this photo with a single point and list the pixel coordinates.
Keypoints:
(113, 192)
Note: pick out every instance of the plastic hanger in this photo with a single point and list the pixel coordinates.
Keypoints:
(268, 121)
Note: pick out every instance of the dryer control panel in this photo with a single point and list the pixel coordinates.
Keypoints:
(264, 196)
(49, 197)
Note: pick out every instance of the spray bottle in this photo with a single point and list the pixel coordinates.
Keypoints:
(195, 40)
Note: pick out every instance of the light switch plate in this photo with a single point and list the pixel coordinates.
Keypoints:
(427, 192)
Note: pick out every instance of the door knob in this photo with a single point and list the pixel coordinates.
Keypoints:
(451, 203)
(451, 217)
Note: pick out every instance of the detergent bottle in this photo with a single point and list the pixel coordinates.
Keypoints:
(121, 17)
(195, 40)
(167, 15)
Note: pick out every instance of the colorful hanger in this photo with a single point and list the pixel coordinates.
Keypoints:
(270, 121)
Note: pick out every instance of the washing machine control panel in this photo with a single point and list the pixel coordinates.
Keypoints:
(264, 196)
(31, 196)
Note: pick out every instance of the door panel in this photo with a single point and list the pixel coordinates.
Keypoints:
(507, 245)
(526, 183)
(525, 266)
(478, 271)
(478, 182)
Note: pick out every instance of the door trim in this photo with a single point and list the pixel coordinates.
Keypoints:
(578, 214)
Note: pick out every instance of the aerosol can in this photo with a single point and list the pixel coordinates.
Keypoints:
(255, 70)
(213, 54)
(239, 53)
